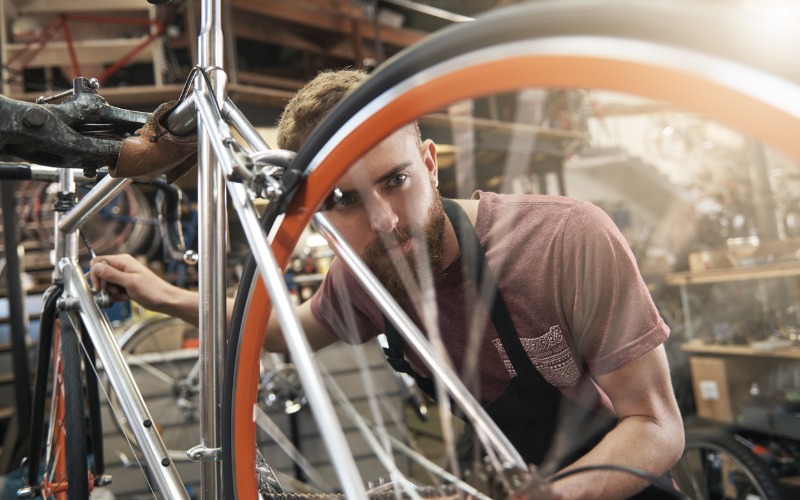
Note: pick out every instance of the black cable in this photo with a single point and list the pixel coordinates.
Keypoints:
(656, 481)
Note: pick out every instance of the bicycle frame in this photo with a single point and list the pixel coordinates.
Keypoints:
(216, 164)
(221, 171)
(78, 302)
(220, 174)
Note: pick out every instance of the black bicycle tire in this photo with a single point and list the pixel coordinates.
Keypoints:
(513, 23)
(44, 354)
(652, 20)
(723, 441)
(93, 404)
(74, 413)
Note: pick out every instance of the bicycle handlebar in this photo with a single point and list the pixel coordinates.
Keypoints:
(82, 131)
(14, 171)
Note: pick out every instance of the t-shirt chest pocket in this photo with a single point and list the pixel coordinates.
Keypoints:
(550, 354)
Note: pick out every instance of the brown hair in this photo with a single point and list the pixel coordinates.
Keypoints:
(313, 102)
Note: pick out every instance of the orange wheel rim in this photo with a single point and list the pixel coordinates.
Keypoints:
(57, 488)
(689, 91)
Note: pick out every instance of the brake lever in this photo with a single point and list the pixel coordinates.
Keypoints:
(82, 131)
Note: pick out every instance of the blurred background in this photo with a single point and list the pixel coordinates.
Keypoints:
(711, 214)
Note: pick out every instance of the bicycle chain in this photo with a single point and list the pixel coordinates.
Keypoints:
(302, 496)
(384, 489)
(423, 492)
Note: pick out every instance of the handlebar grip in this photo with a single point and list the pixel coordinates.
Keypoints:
(15, 172)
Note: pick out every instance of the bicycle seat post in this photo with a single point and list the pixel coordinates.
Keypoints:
(66, 242)
(212, 267)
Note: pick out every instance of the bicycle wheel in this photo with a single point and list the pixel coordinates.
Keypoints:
(59, 386)
(630, 47)
(74, 423)
(163, 357)
(126, 223)
(716, 466)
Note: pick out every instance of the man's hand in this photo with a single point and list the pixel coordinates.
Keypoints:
(127, 278)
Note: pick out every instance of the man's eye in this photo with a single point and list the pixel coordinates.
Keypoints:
(346, 200)
(338, 200)
(398, 179)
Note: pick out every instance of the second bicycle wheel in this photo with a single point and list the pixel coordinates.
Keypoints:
(484, 80)
(163, 356)
(715, 465)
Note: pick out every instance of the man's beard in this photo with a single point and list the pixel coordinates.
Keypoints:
(398, 276)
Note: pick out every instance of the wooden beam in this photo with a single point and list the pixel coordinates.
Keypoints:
(150, 96)
(259, 96)
(64, 6)
(300, 38)
(332, 16)
(269, 81)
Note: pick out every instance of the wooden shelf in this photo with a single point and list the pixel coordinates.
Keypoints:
(96, 42)
(63, 6)
(793, 481)
(332, 16)
(90, 52)
(740, 350)
(774, 270)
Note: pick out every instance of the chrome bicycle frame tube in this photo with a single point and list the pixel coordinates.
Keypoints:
(240, 123)
(92, 203)
(165, 478)
(324, 414)
(417, 341)
(66, 244)
(211, 276)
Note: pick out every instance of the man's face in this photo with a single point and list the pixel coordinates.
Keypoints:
(390, 211)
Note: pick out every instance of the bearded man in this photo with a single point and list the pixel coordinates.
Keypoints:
(571, 333)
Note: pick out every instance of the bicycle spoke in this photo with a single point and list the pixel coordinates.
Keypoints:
(119, 417)
(266, 424)
(715, 466)
(513, 113)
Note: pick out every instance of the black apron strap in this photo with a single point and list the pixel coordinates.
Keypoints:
(476, 266)
(477, 269)
(398, 362)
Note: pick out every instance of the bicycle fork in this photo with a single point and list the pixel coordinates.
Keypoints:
(78, 304)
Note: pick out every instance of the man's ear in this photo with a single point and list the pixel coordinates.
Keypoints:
(429, 158)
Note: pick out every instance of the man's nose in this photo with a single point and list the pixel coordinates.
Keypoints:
(382, 217)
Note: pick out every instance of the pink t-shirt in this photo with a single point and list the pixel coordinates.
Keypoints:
(567, 276)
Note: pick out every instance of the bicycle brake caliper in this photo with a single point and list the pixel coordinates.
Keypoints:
(269, 167)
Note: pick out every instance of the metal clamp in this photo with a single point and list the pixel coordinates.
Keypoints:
(200, 453)
(68, 304)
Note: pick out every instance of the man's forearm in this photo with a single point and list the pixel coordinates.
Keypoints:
(635, 442)
(183, 304)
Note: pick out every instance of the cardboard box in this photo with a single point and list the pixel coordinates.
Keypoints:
(722, 384)
(710, 384)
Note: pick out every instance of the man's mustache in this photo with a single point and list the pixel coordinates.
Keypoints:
(378, 246)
